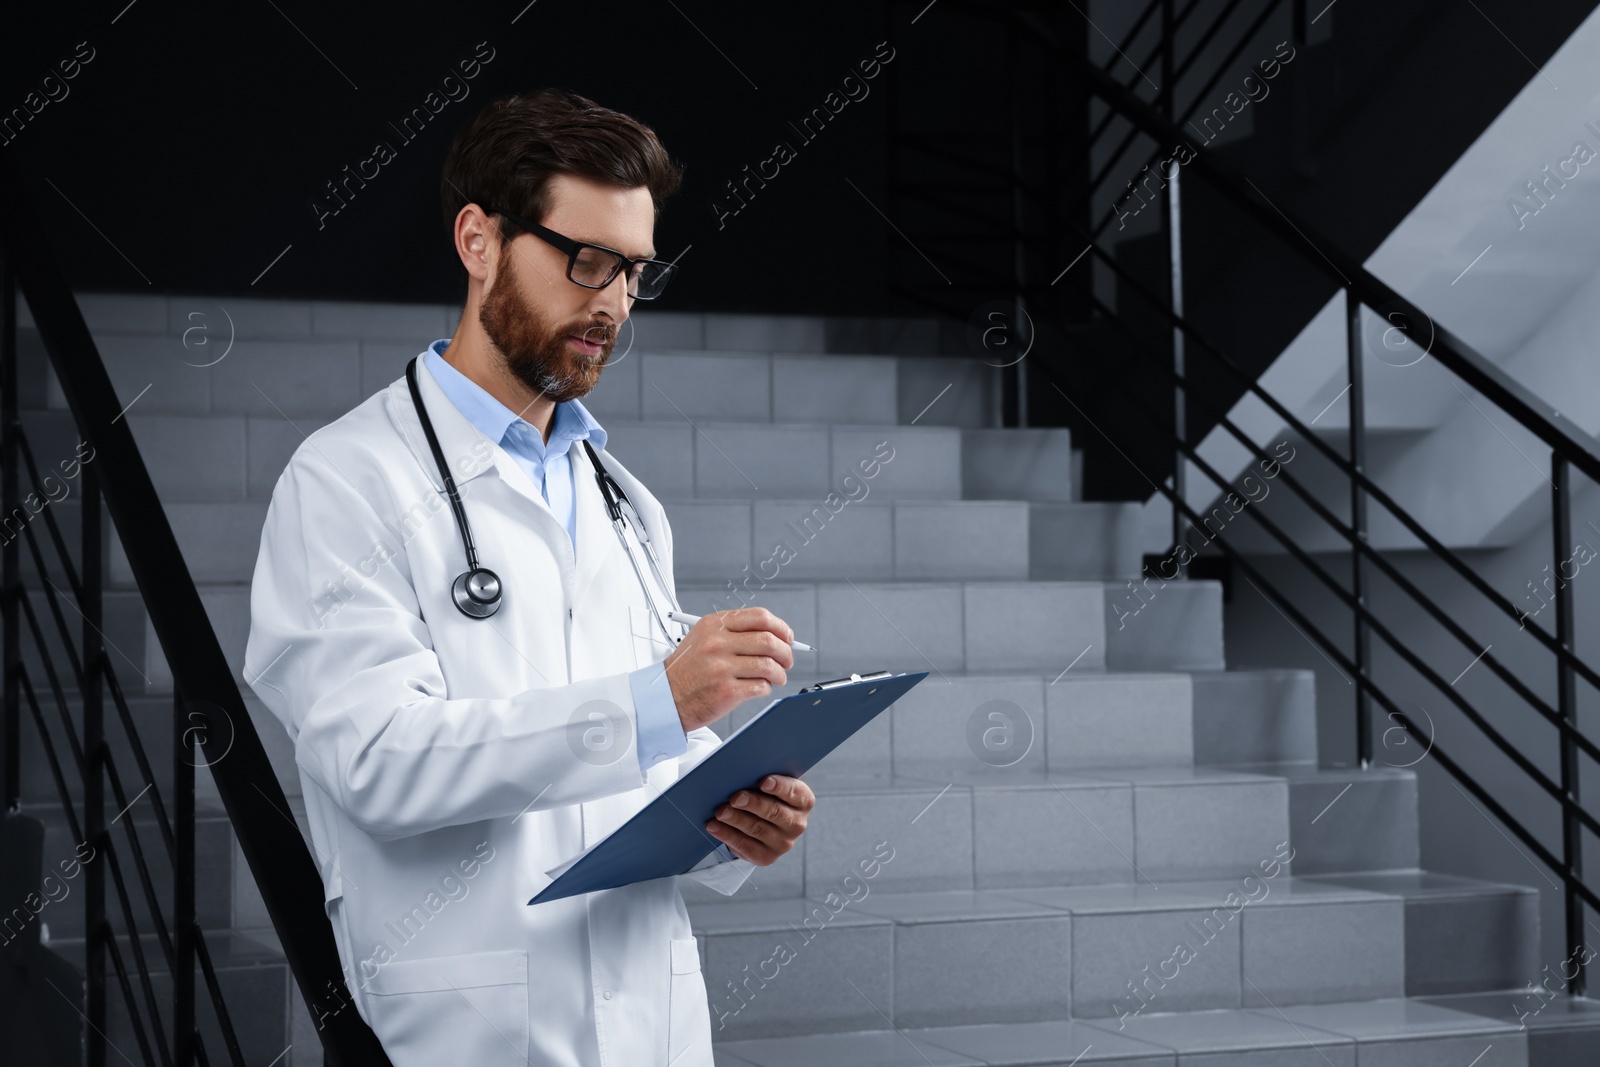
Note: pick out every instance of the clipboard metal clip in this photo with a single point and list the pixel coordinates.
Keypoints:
(835, 683)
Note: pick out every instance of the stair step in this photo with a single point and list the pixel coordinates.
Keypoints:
(876, 540)
(1050, 1043)
(912, 625)
(63, 909)
(152, 718)
(255, 982)
(197, 369)
(1077, 721)
(1027, 955)
(1255, 716)
(994, 829)
(1353, 820)
(198, 457)
(1439, 960)
(1083, 540)
(1560, 1031)
(1017, 464)
(283, 319)
(1381, 1033)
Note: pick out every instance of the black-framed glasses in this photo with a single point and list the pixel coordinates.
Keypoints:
(596, 266)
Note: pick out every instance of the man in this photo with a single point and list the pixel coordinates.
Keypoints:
(450, 759)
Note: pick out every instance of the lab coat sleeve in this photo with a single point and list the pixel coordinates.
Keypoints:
(357, 684)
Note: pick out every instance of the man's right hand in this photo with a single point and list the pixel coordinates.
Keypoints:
(727, 658)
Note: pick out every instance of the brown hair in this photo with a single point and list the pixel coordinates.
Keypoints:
(507, 154)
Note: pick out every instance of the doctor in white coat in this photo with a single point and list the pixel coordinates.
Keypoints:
(449, 760)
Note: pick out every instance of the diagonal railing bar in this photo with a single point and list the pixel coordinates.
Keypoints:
(56, 692)
(1149, 60)
(25, 685)
(140, 756)
(214, 990)
(136, 947)
(141, 868)
(56, 614)
(25, 450)
(109, 938)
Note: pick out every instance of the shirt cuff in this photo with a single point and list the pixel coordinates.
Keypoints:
(721, 854)
(661, 734)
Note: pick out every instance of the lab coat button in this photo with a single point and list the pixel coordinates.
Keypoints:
(608, 994)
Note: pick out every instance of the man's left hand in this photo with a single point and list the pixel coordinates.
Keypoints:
(760, 827)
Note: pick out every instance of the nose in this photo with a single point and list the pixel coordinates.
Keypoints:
(613, 300)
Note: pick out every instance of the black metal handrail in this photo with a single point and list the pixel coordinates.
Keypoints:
(1575, 885)
(208, 705)
(1568, 731)
(1570, 449)
(1569, 446)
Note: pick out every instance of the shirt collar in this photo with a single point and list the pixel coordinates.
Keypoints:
(572, 421)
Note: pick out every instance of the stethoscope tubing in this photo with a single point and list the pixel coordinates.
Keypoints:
(614, 497)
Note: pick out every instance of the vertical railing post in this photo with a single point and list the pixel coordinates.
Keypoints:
(1300, 93)
(1567, 705)
(96, 931)
(1016, 372)
(1173, 216)
(183, 919)
(1358, 521)
(9, 561)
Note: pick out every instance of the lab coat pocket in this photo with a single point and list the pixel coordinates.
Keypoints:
(689, 1015)
(471, 1008)
(649, 646)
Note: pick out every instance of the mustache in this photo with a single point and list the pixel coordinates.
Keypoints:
(597, 333)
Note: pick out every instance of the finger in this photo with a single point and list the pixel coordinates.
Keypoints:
(764, 668)
(743, 845)
(792, 791)
(757, 834)
(761, 643)
(746, 619)
(763, 830)
(765, 808)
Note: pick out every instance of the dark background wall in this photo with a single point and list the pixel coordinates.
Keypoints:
(186, 154)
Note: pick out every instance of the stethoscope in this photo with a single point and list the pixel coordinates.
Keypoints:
(478, 590)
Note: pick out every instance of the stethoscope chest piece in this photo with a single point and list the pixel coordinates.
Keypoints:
(477, 592)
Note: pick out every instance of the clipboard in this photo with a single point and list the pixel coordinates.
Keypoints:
(789, 736)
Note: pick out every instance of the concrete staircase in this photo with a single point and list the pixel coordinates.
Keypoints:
(1002, 868)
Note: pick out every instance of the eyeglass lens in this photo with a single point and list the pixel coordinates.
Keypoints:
(596, 267)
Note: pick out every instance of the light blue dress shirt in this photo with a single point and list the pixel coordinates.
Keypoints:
(550, 467)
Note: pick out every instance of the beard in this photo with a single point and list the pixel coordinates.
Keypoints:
(536, 350)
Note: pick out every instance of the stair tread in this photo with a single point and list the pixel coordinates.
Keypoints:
(909, 907)
(229, 948)
(1216, 1031)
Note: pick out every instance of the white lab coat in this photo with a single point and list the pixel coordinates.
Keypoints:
(448, 762)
